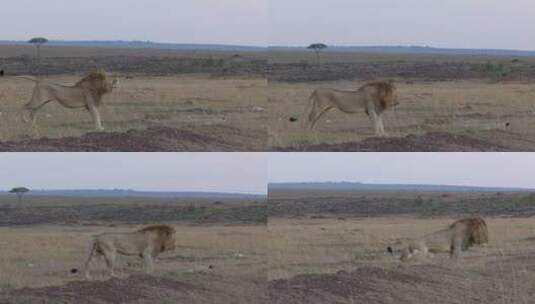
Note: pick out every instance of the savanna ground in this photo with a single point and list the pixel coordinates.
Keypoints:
(243, 101)
(330, 248)
(166, 101)
(447, 103)
(220, 254)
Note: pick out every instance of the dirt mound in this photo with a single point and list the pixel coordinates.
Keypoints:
(141, 289)
(334, 288)
(416, 284)
(154, 139)
(430, 142)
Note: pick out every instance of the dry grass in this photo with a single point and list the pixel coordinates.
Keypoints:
(457, 106)
(139, 103)
(286, 56)
(47, 51)
(40, 256)
(329, 245)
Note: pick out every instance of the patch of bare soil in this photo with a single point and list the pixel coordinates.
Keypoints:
(143, 289)
(154, 139)
(411, 285)
(430, 142)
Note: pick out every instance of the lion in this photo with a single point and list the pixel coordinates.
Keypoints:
(374, 97)
(86, 93)
(147, 243)
(458, 237)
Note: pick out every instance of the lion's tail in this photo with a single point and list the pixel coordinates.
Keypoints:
(28, 78)
(93, 249)
(23, 115)
(308, 119)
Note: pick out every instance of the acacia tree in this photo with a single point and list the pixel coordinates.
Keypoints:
(317, 48)
(19, 191)
(38, 42)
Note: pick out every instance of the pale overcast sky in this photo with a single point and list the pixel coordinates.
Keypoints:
(216, 172)
(448, 23)
(181, 21)
(470, 169)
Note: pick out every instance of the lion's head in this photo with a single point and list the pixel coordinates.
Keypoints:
(386, 93)
(98, 82)
(165, 236)
(475, 229)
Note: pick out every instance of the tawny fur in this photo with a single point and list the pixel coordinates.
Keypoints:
(478, 231)
(86, 93)
(458, 237)
(373, 98)
(147, 243)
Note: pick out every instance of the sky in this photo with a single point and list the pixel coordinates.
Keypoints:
(464, 169)
(214, 172)
(240, 22)
(448, 23)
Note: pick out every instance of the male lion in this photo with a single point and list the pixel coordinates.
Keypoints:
(146, 243)
(458, 237)
(374, 98)
(86, 93)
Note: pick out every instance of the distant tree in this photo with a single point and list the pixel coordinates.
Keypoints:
(19, 191)
(317, 48)
(38, 42)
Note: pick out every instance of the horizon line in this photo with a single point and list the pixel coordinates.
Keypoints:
(267, 46)
(146, 191)
(402, 184)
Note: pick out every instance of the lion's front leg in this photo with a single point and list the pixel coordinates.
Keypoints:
(110, 257)
(377, 122)
(457, 248)
(148, 260)
(381, 126)
(96, 116)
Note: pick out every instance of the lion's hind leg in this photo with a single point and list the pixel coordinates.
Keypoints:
(317, 110)
(316, 113)
(110, 256)
(40, 97)
(92, 252)
(34, 110)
